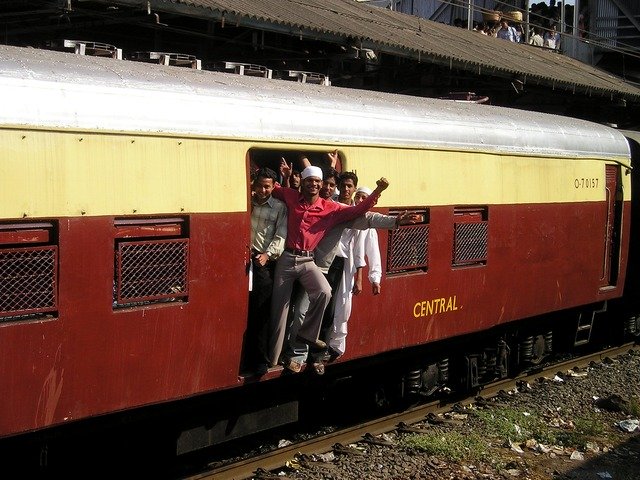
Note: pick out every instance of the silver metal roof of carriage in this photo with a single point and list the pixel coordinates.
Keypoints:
(53, 89)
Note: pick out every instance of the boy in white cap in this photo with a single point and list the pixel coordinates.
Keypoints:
(309, 218)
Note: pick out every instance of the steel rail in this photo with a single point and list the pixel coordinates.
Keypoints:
(246, 469)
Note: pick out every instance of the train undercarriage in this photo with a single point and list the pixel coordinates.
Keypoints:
(369, 386)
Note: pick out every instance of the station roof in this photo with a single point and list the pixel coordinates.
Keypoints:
(355, 24)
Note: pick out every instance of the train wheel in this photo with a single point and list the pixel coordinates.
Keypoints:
(632, 327)
(538, 351)
(430, 380)
(380, 398)
(502, 366)
(532, 350)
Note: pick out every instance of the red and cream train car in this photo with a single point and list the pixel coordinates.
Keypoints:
(124, 229)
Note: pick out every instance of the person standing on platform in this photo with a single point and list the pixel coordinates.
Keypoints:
(506, 32)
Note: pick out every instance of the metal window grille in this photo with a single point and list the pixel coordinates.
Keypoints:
(28, 280)
(470, 244)
(408, 249)
(151, 271)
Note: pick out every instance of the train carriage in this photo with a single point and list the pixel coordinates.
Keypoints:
(124, 228)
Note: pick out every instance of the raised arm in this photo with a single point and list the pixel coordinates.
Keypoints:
(333, 158)
(285, 171)
(348, 213)
(305, 161)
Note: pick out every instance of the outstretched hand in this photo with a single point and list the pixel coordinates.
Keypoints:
(406, 218)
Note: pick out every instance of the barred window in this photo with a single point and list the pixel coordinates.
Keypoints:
(28, 270)
(470, 227)
(408, 249)
(151, 262)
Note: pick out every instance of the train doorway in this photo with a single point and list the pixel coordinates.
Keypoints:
(613, 198)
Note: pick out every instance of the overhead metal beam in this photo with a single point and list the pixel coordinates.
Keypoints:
(627, 13)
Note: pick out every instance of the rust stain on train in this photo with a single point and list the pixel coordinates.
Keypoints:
(50, 393)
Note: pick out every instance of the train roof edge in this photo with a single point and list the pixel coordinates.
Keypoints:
(50, 89)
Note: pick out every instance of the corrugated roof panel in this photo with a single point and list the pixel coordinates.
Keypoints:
(397, 33)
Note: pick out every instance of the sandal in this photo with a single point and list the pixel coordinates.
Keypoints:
(292, 365)
(318, 368)
(332, 355)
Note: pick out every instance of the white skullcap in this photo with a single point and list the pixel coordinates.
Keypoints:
(366, 190)
(311, 172)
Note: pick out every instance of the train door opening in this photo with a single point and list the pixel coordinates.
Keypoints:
(267, 241)
(613, 199)
(267, 220)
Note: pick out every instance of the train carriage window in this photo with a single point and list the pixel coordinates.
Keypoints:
(470, 230)
(408, 248)
(28, 270)
(151, 261)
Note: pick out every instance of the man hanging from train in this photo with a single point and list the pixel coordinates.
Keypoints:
(309, 218)
(268, 233)
(355, 245)
(295, 352)
(325, 256)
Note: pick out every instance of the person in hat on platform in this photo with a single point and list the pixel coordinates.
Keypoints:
(309, 218)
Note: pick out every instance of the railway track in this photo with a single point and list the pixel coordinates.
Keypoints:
(259, 466)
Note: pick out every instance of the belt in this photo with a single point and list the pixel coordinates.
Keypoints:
(300, 253)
